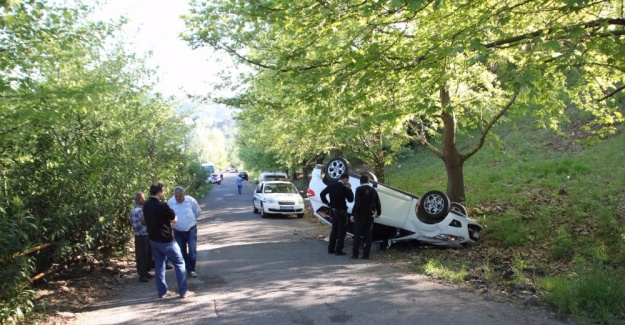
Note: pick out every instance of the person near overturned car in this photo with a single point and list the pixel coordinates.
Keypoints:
(367, 206)
(143, 251)
(340, 193)
(185, 230)
(160, 218)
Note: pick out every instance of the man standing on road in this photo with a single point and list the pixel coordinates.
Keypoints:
(366, 207)
(143, 252)
(240, 183)
(159, 218)
(185, 230)
(339, 192)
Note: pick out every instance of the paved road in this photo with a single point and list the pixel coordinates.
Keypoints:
(272, 271)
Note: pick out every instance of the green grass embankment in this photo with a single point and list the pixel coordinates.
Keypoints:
(553, 213)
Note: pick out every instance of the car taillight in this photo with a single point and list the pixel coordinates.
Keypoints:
(310, 193)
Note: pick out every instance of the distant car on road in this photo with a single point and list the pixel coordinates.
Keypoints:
(431, 218)
(277, 197)
(231, 170)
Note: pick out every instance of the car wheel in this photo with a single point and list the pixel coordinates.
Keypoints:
(300, 215)
(371, 176)
(263, 214)
(255, 209)
(433, 207)
(459, 209)
(335, 167)
(219, 183)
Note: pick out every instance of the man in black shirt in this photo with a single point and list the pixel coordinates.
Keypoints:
(339, 192)
(159, 218)
(366, 207)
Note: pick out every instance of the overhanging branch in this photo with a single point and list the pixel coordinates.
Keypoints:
(492, 122)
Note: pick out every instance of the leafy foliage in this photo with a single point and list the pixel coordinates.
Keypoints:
(80, 133)
(369, 77)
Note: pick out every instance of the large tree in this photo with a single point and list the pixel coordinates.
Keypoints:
(443, 64)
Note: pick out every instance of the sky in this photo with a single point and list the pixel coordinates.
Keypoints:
(155, 26)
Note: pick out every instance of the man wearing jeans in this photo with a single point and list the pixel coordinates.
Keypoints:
(159, 218)
(185, 230)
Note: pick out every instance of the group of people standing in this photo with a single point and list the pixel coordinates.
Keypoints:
(165, 231)
(366, 207)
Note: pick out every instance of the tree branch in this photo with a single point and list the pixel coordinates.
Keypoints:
(486, 130)
(590, 24)
(612, 93)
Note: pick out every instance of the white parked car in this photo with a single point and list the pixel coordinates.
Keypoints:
(432, 218)
(278, 197)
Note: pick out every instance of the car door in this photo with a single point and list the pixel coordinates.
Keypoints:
(258, 194)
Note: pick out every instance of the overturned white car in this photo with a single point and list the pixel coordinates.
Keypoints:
(432, 219)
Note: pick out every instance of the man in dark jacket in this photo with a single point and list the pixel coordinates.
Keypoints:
(339, 192)
(366, 207)
(159, 218)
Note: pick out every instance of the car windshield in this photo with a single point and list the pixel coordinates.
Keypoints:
(280, 188)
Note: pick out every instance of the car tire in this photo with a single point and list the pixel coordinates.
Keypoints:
(300, 215)
(459, 209)
(254, 205)
(263, 214)
(219, 183)
(433, 207)
(335, 167)
(371, 176)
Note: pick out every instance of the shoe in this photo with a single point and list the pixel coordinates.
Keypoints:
(340, 253)
(169, 267)
(143, 278)
(354, 257)
(167, 294)
(149, 276)
(187, 294)
(193, 274)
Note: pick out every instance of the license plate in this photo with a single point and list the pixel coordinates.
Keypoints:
(287, 208)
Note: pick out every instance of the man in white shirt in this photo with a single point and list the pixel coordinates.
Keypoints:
(185, 230)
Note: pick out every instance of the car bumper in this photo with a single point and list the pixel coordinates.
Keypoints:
(283, 209)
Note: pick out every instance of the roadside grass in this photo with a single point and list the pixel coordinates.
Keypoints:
(553, 213)
(445, 269)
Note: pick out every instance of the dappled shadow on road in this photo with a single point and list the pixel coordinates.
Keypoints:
(276, 270)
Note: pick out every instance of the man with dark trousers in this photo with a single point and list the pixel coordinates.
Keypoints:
(159, 218)
(339, 192)
(366, 207)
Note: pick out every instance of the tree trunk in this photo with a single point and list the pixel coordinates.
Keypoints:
(453, 160)
(379, 170)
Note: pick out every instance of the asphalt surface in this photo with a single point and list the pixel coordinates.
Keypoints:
(276, 271)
